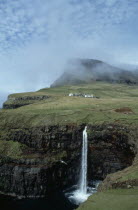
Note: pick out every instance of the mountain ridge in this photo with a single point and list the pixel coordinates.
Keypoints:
(83, 71)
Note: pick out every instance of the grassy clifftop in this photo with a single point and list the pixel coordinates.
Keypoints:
(119, 199)
(116, 103)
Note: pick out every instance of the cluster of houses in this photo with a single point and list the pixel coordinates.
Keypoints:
(82, 95)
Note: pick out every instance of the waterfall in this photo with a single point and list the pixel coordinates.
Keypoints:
(80, 194)
(83, 174)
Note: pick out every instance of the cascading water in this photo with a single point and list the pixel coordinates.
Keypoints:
(83, 175)
(83, 191)
(80, 195)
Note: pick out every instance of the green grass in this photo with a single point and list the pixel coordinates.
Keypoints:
(129, 173)
(100, 89)
(130, 176)
(120, 199)
(10, 149)
(62, 109)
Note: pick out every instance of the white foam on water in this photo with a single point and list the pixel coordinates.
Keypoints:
(78, 197)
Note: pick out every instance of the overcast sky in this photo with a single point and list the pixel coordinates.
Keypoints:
(37, 37)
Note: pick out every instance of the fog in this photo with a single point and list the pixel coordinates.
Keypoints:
(38, 38)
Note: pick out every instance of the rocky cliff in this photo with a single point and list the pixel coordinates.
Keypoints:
(51, 156)
(111, 148)
(50, 160)
(15, 101)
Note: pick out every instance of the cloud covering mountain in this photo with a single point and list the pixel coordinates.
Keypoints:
(83, 71)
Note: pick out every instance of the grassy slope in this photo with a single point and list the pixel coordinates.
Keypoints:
(120, 199)
(129, 173)
(127, 178)
(62, 109)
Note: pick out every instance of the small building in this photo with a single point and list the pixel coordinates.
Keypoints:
(82, 95)
(89, 96)
(70, 94)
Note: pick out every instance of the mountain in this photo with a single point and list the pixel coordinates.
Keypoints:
(83, 71)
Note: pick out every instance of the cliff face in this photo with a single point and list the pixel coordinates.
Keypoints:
(23, 100)
(35, 179)
(110, 149)
(52, 154)
(51, 160)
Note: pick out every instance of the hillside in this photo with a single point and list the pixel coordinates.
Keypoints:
(83, 71)
(53, 105)
(41, 138)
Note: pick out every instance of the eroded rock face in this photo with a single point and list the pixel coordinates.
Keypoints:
(50, 138)
(54, 153)
(110, 150)
(35, 180)
(52, 161)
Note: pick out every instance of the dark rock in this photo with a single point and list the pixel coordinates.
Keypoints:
(55, 153)
(109, 150)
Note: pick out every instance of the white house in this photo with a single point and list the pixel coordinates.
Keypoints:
(89, 96)
(70, 94)
(81, 95)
